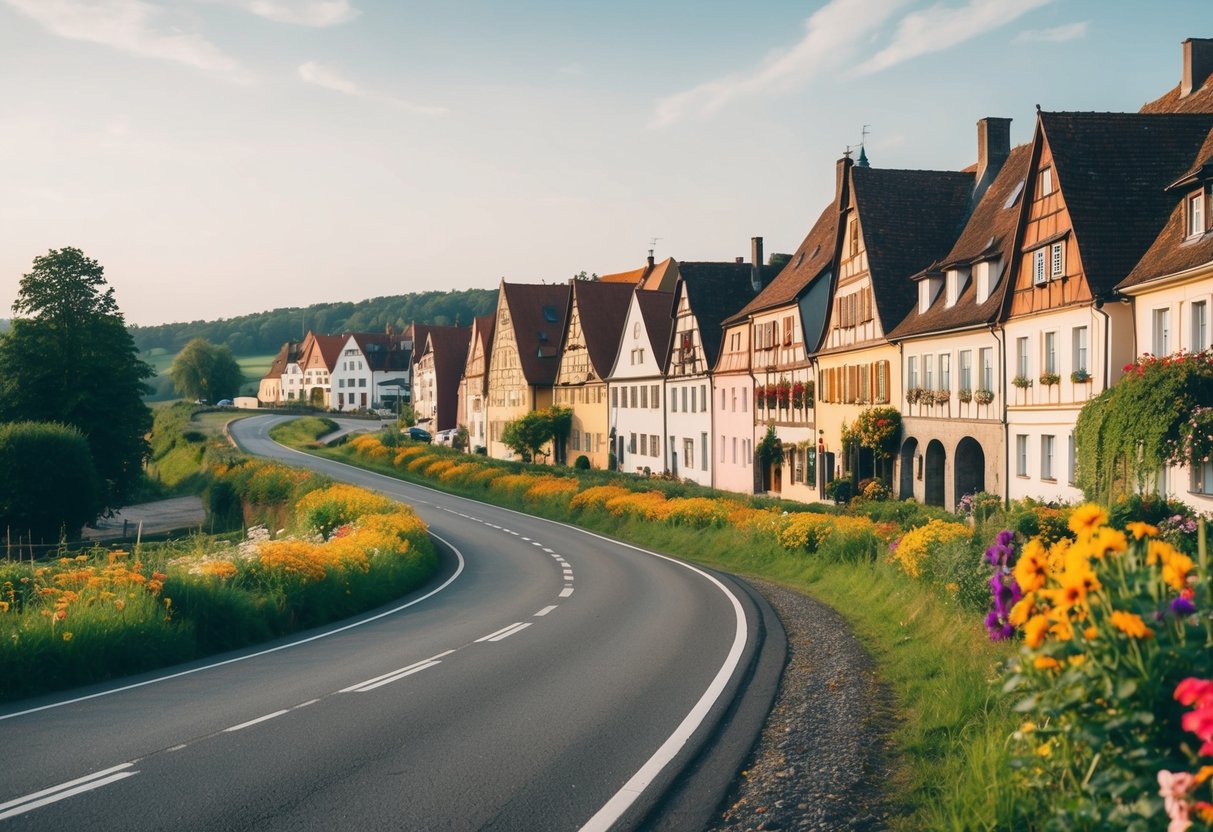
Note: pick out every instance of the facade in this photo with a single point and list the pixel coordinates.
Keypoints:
(636, 384)
(270, 390)
(733, 464)
(437, 372)
(525, 355)
(473, 385)
(893, 224)
(595, 323)
(317, 359)
(953, 432)
(705, 295)
(367, 361)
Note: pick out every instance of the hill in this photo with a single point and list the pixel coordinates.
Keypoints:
(264, 332)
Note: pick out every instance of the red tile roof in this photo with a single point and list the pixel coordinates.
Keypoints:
(537, 315)
(449, 344)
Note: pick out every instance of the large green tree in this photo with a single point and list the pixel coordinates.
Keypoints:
(205, 371)
(70, 359)
(49, 487)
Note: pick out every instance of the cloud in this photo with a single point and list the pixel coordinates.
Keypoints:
(1058, 34)
(831, 33)
(320, 75)
(131, 26)
(941, 27)
(318, 13)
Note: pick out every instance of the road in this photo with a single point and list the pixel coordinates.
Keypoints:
(548, 678)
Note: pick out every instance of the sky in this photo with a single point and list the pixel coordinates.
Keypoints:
(222, 157)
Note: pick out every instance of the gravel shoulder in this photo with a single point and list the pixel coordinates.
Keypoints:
(822, 759)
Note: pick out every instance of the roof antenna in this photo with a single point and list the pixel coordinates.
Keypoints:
(863, 140)
(653, 244)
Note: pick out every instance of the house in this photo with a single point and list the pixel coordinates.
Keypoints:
(953, 435)
(473, 386)
(705, 294)
(636, 381)
(765, 365)
(525, 355)
(368, 361)
(270, 391)
(1098, 198)
(318, 356)
(595, 324)
(437, 372)
(893, 224)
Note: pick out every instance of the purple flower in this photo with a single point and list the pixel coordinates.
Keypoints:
(1005, 538)
(1182, 607)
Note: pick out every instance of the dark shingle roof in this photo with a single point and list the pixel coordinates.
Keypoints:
(657, 309)
(1113, 170)
(603, 309)
(909, 219)
(714, 292)
(537, 314)
(815, 254)
(990, 232)
(450, 348)
(383, 351)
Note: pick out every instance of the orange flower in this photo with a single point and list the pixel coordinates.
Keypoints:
(1175, 571)
(1031, 567)
(1107, 540)
(1023, 608)
(1086, 519)
(1140, 529)
(1131, 624)
(1035, 630)
(1046, 663)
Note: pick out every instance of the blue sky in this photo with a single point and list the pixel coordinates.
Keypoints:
(227, 156)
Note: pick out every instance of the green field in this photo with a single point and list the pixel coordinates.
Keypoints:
(253, 367)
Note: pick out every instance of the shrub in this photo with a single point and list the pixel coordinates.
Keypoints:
(911, 552)
(551, 487)
(699, 512)
(324, 510)
(596, 497)
(805, 532)
(49, 486)
(645, 505)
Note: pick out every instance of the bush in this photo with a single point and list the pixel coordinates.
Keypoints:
(49, 487)
(911, 552)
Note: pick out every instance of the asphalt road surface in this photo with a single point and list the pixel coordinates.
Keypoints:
(548, 678)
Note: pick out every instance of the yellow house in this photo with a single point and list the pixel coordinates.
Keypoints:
(473, 386)
(525, 355)
(591, 339)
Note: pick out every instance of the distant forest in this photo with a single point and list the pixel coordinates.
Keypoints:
(264, 332)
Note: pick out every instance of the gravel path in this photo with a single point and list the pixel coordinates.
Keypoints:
(821, 760)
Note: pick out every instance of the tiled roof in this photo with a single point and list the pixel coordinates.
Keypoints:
(716, 291)
(1113, 170)
(1198, 101)
(537, 313)
(603, 309)
(990, 232)
(909, 219)
(382, 351)
(278, 365)
(449, 344)
(815, 253)
(657, 309)
(632, 277)
(329, 347)
(486, 327)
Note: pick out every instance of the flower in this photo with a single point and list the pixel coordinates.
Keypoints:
(1182, 607)
(1140, 530)
(1131, 624)
(1046, 663)
(1031, 568)
(1193, 691)
(1173, 788)
(1086, 519)
(67, 636)
(1034, 630)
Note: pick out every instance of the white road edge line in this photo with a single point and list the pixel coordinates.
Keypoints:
(497, 632)
(626, 796)
(252, 722)
(29, 805)
(67, 785)
(517, 628)
(317, 637)
(546, 610)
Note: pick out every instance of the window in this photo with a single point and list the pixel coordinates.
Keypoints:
(1196, 214)
(688, 453)
(644, 396)
(644, 444)
(632, 396)
(912, 371)
(734, 450)
(1057, 260)
(745, 399)
(987, 369)
(615, 397)
(655, 445)
(674, 402)
(734, 401)
(1202, 478)
(1080, 348)
(1050, 355)
(1046, 181)
(853, 235)
(810, 467)
(684, 400)
(945, 371)
(1073, 459)
(1021, 455)
(1200, 326)
(1046, 457)
(655, 396)
(966, 369)
(1162, 332)
(1039, 277)
(631, 443)
(694, 402)
(928, 372)
(703, 452)
(1021, 357)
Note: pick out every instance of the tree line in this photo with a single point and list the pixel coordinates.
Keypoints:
(265, 332)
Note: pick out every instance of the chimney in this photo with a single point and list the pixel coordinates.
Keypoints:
(993, 148)
(840, 180)
(738, 259)
(756, 263)
(650, 258)
(1198, 65)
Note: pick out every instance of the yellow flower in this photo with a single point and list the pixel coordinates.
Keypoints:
(1034, 630)
(1131, 624)
(1045, 749)
(1028, 727)
(1090, 633)
(1062, 628)
(1086, 519)
(1031, 566)
(1160, 550)
(1175, 570)
(67, 636)
(1107, 540)
(1046, 663)
(1140, 529)
(1204, 774)
(1023, 608)
(1077, 659)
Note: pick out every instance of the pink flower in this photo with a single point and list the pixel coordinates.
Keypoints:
(1193, 691)
(1173, 789)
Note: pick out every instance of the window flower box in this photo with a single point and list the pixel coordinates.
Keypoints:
(942, 396)
(1049, 379)
(965, 396)
(983, 396)
(1022, 382)
(1080, 376)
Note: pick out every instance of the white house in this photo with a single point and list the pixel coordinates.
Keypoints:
(366, 360)
(636, 384)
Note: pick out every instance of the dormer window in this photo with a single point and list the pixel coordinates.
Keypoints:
(1046, 181)
(928, 290)
(1196, 214)
(1057, 260)
(986, 273)
(957, 280)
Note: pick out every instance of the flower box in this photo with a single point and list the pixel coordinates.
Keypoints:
(1049, 379)
(1022, 382)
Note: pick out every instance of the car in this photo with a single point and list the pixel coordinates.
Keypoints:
(419, 434)
(445, 437)
(223, 403)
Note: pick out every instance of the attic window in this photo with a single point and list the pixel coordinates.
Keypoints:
(543, 337)
(549, 314)
(799, 260)
(1014, 197)
(1046, 181)
(1196, 214)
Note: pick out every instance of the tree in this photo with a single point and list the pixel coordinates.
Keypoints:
(38, 506)
(205, 371)
(527, 435)
(70, 359)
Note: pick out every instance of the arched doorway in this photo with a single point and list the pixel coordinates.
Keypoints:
(909, 449)
(936, 462)
(970, 469)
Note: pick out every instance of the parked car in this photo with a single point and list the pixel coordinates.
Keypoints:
(223, 403)
(419, 434)
(445, 437)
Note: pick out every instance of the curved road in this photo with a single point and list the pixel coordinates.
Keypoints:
(549, 678)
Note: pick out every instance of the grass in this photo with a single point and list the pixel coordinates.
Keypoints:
(253, 367)
(303, 432)
(950, 723)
